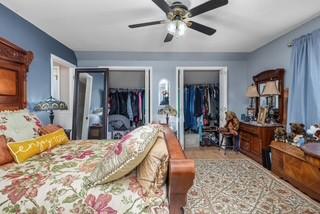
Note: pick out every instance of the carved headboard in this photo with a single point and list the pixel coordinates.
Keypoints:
(14, 65)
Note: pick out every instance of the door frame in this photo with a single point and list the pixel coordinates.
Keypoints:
(72, 67)
(148, 72)
(223, 92)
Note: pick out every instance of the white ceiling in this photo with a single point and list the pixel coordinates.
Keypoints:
(97, 25)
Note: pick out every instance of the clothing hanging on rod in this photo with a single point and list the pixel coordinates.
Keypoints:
(201, 101)
(129, 103)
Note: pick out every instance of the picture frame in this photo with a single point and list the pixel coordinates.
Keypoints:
(251, 112)
(262, 115)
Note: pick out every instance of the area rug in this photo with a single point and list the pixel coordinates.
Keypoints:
(243, 186)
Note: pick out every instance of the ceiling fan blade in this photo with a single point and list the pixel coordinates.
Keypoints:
(168, 38)
(163, 5)
(147, 24)
(209, 5)
(201, 28)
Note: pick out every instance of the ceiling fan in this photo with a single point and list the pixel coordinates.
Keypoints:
(178, 14)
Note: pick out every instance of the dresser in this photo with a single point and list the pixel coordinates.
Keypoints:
(255, 139)
(293, 165)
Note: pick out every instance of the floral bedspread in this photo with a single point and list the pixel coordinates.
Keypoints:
(52, 182)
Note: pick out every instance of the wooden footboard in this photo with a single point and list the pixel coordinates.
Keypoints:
(181, 174)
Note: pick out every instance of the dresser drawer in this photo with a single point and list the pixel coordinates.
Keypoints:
(245, 136)
(256, 146)
(249, 129)
(245, 145)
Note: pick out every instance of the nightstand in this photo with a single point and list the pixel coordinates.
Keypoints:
(95, 132)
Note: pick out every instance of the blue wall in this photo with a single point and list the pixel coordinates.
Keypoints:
(241, 66)
(277, 54)
(26, 35)
(164, 66)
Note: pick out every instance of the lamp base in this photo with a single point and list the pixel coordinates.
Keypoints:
(51, 116)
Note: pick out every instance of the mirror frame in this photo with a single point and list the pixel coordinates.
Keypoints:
(272, 75)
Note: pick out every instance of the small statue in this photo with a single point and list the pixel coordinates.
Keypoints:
(280, 134)
(314, 133)
(297, 134)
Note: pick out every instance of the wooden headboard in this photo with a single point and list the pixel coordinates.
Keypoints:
(14, 65)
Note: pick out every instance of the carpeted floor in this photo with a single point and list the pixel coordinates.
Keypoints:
(242, 186)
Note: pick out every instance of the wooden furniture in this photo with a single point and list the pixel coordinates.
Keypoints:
(296, 167)
(95, 132)
(14, 64)
(224, 144)
(272, 75)
(181, 173)
(255, 138)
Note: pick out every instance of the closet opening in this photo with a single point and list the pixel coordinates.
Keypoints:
(128, 100)
(201, 104)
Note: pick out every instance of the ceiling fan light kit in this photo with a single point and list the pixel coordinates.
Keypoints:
(178, 15)
(177, 28)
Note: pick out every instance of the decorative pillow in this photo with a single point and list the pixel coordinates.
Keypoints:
(124, 155)
(152, 172)
(21, 151)
(5, 156)
(19, 125)
(48, 129)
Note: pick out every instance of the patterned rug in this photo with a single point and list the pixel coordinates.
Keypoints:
(242, 186)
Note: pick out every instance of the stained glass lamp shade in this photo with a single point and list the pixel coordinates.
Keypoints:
(51, 104)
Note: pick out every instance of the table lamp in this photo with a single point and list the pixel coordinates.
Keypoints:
(167, 110)
(252, 93)
(271, 90)
(51, 104)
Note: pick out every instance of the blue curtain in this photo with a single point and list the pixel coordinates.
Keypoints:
(304, 99)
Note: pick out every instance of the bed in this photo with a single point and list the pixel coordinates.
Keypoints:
(52, 181)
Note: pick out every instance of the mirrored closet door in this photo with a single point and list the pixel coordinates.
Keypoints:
(90, 104)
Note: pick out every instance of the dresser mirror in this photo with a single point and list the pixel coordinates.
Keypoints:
(274, 102)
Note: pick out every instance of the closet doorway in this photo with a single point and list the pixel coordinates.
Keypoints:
(202, 102)
(129, 104)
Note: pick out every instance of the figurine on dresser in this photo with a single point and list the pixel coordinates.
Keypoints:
(313, 133)
(280, 134)
(297, 135)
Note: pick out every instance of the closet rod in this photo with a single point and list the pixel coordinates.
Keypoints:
(202, 84)
(127, 89)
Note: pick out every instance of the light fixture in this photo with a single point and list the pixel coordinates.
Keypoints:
(167, 110)
(51, 104)
(177, 28)
(252, 93)
(271, 89)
